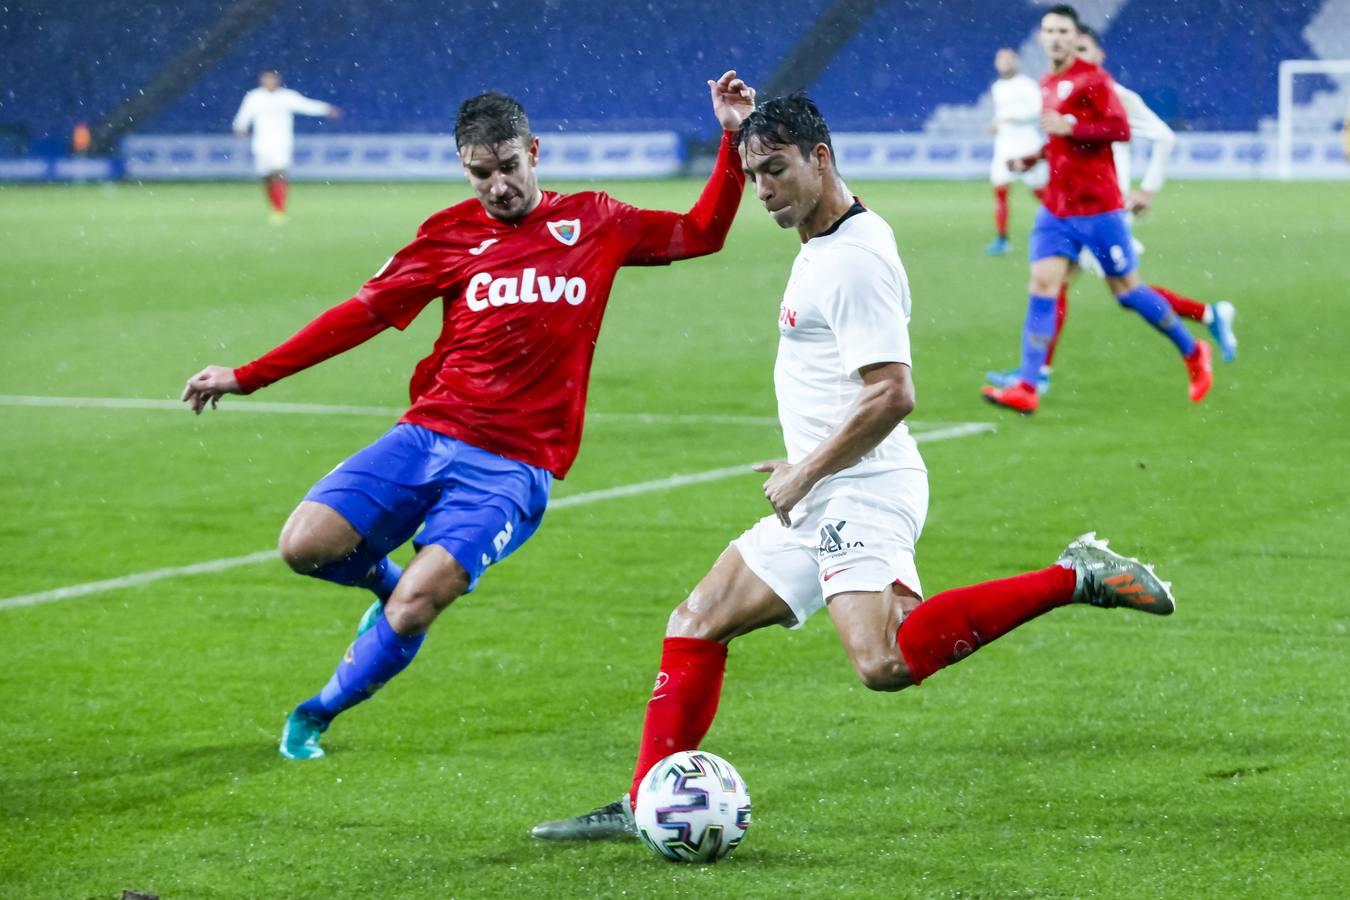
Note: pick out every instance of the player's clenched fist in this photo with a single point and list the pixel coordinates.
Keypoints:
(732, 100)
(786, 486)
(208, 386)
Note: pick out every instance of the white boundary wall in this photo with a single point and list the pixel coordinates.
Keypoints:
(660, 154)
(390, 157)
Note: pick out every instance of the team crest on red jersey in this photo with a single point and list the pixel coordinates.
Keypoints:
(567, 231)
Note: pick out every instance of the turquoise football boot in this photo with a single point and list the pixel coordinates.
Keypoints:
(300, 737)
(370, 618)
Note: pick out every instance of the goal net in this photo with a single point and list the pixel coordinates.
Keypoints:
(1314, 107)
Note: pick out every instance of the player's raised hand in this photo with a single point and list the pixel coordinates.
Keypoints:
(732, 100)
(208, 386)
(785, 488)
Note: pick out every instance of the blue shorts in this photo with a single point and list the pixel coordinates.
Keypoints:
(1106, 236)
(477, 505)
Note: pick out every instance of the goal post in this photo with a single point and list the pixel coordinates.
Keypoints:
(1312, 126)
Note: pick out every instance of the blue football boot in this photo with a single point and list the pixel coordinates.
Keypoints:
(1220, 325)
(1010, 377)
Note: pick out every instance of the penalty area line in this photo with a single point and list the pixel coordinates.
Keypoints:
(137, 579)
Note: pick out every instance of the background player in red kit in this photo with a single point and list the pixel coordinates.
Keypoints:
(496, 407)
(1083, 208)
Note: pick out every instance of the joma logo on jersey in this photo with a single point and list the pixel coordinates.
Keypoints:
(530, 287)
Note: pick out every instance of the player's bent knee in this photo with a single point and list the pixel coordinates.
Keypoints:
(315, 536)
(884, 673)
(691, 620)
(304, 555)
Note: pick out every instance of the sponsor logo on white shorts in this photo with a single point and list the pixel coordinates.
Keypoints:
(832, 540)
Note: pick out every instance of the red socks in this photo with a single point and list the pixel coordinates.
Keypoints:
(683, 702)
(1182, 305)
(1001, 210)
(1061, 313)
(276, 193)
(954, 624)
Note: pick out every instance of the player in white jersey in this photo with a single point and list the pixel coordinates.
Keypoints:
(269, 110)
(1017, 134)
(1145, 125)
(849, 502)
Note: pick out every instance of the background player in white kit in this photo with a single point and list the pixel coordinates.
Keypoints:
(1017, 134)
(269, 110)
(849, 502)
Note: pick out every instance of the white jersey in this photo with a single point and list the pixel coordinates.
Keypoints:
(271, 115)
(846, 306)
(1144, 124)
(1017, 117)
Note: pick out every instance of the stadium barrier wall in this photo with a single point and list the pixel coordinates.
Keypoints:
(421, 157)
(1231, 155)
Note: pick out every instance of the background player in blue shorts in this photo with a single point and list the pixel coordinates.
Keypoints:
(1084, 208)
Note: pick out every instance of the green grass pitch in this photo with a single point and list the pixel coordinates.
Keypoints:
(1089, 754)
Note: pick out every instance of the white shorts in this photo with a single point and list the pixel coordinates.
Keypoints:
(267, 160)
(854, 534)
(1037, 177)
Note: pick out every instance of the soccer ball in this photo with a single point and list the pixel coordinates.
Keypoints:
(692, 807)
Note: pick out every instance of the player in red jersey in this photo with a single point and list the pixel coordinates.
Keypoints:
(497, 406)
(1084, 208)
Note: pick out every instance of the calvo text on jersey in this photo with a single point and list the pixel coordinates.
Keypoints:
(485, 290)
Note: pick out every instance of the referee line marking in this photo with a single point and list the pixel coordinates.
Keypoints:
(964, 429)
(234, 406)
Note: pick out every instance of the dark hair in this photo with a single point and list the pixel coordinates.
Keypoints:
(1067, 11)
(1089, 31)
(792, 120)
(490, 119)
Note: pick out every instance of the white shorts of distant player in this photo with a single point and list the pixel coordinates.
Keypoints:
(1018, 146)
(272, 156)
(1089, 262)
(849, 534)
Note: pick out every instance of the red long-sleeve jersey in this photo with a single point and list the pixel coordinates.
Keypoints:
(523, 302)
(1082, 168)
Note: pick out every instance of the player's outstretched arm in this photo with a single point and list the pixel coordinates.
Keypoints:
(667, 236)
(335, 331)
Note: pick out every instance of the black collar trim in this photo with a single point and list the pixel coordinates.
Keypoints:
(853, 210)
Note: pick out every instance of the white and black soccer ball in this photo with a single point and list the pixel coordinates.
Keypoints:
(692, 807)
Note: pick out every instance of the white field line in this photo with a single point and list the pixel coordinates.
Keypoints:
(234, 405)
(963, 429)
